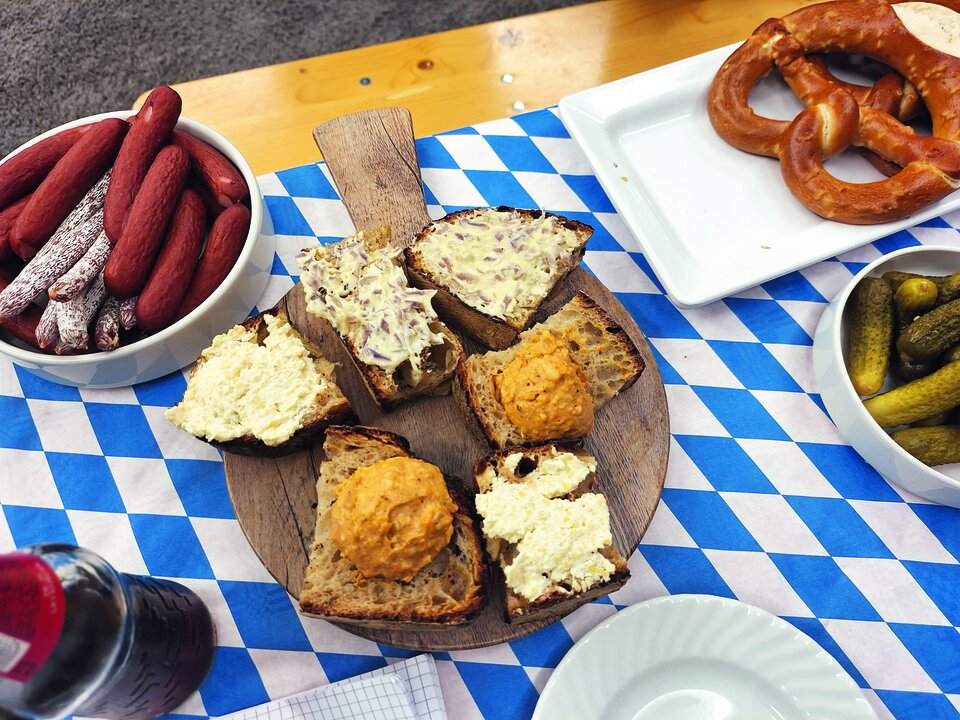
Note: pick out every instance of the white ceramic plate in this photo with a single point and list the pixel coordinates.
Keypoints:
(940, 484)
(697, 657)
(711, 219)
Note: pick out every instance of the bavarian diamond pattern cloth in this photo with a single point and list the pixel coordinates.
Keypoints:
(764, 500)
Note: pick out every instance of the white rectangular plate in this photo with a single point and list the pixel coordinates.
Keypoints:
(712, 220)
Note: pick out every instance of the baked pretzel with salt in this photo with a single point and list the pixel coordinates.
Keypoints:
(839, 115)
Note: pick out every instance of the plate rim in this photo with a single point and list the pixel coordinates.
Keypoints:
(676, 281)
(722, 604)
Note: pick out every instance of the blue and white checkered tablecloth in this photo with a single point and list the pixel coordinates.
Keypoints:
(764, 501)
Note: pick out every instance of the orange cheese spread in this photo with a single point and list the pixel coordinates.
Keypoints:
(544, 392)
(393, 517)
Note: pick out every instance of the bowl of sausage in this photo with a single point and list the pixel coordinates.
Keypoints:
(127, 241)
(886, 357)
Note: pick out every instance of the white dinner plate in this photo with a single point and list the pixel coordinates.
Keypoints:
(711, 219)
(697, 657)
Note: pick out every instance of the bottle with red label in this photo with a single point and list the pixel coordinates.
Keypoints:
(79, 638)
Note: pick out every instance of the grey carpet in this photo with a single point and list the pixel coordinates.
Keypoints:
(63, 59)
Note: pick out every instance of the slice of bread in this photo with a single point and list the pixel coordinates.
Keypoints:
(423, 352)
(493, 268)
(240, 383)
(606, 353)
(450, 590)
(568, 482)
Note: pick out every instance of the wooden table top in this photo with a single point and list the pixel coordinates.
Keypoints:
(464, 76)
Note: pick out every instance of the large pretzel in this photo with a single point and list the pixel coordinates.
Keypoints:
(839, 115)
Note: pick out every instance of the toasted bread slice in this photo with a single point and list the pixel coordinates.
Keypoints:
(224, 426)
(602, 348)
(564, 482)
(450, 590)
(394, 338)
(492, 269)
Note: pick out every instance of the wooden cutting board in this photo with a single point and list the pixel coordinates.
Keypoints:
(373, 160)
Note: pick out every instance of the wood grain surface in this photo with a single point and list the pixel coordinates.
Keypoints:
(463, 76)
(275, 498)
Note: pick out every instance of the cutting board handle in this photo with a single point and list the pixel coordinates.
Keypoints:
(372, 157)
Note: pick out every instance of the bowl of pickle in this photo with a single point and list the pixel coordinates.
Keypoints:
(886, 357)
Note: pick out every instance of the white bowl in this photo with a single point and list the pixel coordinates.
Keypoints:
(940, 484)
(179, 345)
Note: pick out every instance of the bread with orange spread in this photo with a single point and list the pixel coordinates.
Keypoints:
(550, 382)
(420, 558)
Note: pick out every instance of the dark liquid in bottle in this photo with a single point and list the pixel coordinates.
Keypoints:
(131, 647)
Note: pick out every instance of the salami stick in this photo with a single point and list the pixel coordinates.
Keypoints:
(74, 317)
(128, 315)
(78, 278)
(55, 258)
(106, 332)
(48, 332)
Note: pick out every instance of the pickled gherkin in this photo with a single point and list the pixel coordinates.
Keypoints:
(937, 445)
(933, 333)
(936, 393)
(871, 334)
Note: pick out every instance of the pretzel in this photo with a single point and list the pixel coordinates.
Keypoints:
(838, 115)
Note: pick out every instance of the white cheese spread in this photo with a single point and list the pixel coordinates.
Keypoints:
(501, 263)
(364, 294)
(558, 541)
(244, 388)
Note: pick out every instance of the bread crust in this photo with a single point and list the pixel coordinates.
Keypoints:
(493, 331)
(313, 429)
(465, 541)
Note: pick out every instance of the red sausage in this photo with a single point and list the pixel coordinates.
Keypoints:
(161, 297)
(24, 171)
(217, 173)
(7, 218)
(224, 244)
(132, 257)
(67, 183)
(149, 131)
(197, 185)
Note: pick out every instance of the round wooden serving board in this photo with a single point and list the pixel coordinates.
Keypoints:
(275, 498)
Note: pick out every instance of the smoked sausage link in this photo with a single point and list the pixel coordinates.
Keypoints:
(132, 257)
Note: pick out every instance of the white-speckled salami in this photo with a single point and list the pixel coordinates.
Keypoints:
(128, 315)
(48, 333)
(106, 333)
(78, 278)
(74, 317)
(56, 257)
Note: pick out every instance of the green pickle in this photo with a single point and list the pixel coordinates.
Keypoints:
(933, 333)
(936, 393)
(871, 334)
(950, 290)
(896, 278)
(914, 297)
(936, 445)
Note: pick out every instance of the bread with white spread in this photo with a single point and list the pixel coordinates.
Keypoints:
(450, 590)
(546, 529)
(261, 388)
(492, 268)
(391, 331)
(607, 357)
